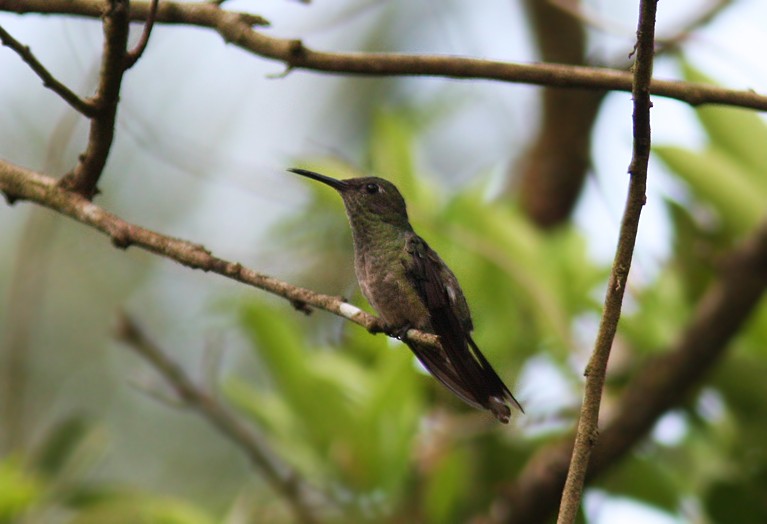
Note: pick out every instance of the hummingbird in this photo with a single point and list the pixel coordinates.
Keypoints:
(409, 286)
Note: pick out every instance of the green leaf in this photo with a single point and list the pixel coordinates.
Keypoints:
(19, 490)
(741, 502)
(696, 248)
(61, 443)
(391, 150)
(661, 309)
(446, 485)
(720, 182)
(138, 509)
(738, 133)
(345, 417)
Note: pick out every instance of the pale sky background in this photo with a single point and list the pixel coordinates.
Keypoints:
(228, 133)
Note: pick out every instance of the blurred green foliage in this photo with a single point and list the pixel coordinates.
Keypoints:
(332, 408)
(381, 441)
(58, 482)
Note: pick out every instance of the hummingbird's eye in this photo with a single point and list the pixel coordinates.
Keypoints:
(372, 188)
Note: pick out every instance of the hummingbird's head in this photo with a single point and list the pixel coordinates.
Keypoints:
(369, 197)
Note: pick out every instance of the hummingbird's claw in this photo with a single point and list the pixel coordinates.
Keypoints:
(398, 332)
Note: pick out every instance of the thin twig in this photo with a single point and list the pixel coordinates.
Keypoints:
(588, 429)
(701, 17)
(283, 479)
(236, 28)
(134, 54)
(86, 174)
(85, 107)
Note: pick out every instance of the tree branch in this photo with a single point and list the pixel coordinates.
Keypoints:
(18, 183)
(587, 433)
(236, 28)
(283, 479)
(85, 176)
(85, 107)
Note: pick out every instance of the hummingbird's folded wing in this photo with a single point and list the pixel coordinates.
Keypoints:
(450, 319)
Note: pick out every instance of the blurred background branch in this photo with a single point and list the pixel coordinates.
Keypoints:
(283, 479)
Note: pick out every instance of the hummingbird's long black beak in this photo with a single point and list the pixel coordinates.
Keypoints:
(338, 185)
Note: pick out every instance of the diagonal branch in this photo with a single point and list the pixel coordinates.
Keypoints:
(236, 28)
(588, 424)
(18, 183)
(85, 107)
(284, 480)
(85, 176)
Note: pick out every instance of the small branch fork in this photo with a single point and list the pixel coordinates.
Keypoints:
(132, 57)
(85, 176)
(101, 109)
(588, 429)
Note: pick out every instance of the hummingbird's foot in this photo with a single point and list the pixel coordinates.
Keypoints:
(300, 305)
(398, 332)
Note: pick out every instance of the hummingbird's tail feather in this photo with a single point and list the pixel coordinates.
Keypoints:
(440, 368)
(489, 371)
(471, 367)
(476, 372)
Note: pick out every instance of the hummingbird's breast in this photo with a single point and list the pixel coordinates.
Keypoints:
(382, 277)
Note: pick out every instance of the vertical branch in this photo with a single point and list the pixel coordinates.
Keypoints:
(85, 176)
(27, 293)
(550, 174)
(588, 431)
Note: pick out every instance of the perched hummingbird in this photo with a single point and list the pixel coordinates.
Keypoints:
(410, 286)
